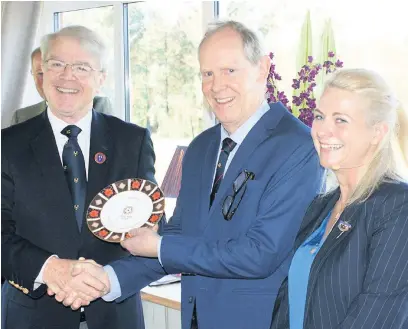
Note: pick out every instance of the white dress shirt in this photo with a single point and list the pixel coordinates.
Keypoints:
(239, 135)
(84, 141)
(84, 138)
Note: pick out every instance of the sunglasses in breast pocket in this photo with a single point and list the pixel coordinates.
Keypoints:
(239, 186)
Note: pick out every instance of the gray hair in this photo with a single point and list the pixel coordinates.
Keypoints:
(88, 39)
(35, 52)
(390, 159)
(252, 45)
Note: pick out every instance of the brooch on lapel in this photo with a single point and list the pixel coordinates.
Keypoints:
(100, 158)
(343, 227)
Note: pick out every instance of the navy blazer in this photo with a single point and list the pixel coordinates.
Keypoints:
(359, 279)
(38, 220)
(232, 270)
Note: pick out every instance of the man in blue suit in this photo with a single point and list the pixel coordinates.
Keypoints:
(245, 187)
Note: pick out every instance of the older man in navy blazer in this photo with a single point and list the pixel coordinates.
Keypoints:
(245, 186)
(52, 167)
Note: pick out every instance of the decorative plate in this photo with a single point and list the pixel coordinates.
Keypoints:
(122, 206)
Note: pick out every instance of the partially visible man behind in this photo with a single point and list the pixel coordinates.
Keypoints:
(52, 166)
(101, 104)
(33, 110)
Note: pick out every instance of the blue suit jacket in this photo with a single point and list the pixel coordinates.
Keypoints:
(359, 279)
(233, 269)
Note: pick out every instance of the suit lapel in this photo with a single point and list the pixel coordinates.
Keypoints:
(101, 142)
(46, 154)
(315, 214)
(334, 239)
(259, 133)
(336, 236)
(207, 175)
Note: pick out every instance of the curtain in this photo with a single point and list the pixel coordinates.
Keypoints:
(19, 23)
(304, 51)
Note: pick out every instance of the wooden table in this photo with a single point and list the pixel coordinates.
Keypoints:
(161, 306)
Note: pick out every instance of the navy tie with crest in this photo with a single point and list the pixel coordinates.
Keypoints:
(227, 146)
(74, 169)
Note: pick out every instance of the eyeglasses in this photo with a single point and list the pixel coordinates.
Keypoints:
(240, 182)
(80, 70)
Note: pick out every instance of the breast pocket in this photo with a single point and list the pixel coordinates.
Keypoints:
(247, 200)
(245, 208)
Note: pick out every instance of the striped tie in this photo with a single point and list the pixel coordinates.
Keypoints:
(227, 146)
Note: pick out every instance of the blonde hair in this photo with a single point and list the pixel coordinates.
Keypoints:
(390, 160)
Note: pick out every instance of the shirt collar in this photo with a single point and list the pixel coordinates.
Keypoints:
(239, 135)
(58, 125)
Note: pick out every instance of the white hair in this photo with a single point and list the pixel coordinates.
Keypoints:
(88, 39)
(252, 45)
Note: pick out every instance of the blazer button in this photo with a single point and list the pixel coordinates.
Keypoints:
(190, 299)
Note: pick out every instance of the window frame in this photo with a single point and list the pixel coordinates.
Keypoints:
(49, 23)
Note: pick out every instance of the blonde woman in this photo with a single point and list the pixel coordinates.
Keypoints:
(350, 267)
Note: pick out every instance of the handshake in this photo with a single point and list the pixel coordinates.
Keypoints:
(75, 283)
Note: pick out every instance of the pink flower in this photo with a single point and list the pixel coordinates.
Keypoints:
(305, 83)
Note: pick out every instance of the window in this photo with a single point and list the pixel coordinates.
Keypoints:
(165, 87)
(157, 41)
(360, 40)
(100, 20)
(153, 66)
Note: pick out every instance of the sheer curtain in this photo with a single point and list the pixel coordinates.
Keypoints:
(19, 22)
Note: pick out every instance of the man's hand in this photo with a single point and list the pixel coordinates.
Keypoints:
(83, 287)
(143, 242)
(87, 276)
(92, 268)
(89, 273)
